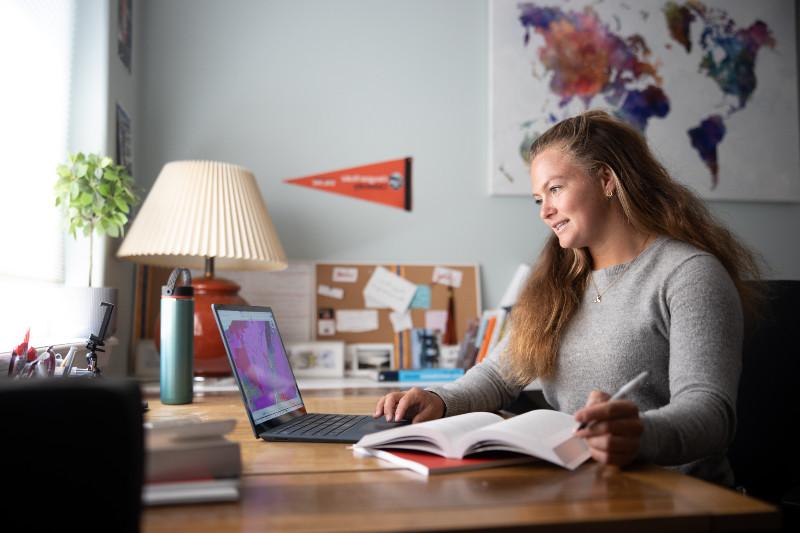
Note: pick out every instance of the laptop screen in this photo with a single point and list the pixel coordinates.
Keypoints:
(262, 368)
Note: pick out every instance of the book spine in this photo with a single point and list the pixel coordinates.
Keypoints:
(426, 374)
(487, 337)
(472, 354)
(467, 344)
(499, 325)
(481, 329)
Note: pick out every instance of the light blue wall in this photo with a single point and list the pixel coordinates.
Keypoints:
(99, 81)
(292, 88)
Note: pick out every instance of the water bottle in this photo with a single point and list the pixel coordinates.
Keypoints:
(177, 338)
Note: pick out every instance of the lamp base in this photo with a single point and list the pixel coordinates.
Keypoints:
(210, 359)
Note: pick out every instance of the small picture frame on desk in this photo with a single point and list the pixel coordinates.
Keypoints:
(368, 358)
(316, 359)
(448, 357)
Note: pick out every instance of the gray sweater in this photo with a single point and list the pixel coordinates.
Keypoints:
(673, 311)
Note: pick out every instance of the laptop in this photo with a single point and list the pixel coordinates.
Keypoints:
(268, 386)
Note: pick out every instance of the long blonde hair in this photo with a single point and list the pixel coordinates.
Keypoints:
(651, 201)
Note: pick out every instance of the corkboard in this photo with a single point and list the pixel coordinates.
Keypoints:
(466, 298)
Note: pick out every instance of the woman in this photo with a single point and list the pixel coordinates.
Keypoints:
(636, 276)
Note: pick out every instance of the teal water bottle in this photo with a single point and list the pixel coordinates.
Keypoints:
(177, 338)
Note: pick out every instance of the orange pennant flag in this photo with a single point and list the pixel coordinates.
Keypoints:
(387, 183)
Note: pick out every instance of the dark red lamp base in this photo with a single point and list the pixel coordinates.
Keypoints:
(210, 359)
(209, 352)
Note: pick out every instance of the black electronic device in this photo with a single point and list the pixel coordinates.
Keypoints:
(268, 387)
(96, 342)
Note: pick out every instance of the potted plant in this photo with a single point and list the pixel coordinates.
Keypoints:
(97, 196)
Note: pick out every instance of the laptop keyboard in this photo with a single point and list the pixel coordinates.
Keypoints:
(320, 425)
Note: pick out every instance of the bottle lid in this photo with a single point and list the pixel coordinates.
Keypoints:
(185, 290)
(182, 291)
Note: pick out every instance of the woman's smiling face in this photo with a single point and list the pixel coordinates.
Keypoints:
(572, 202)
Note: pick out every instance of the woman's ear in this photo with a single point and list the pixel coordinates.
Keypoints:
(607, 180)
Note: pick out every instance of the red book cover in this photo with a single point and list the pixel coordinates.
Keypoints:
(429, 464)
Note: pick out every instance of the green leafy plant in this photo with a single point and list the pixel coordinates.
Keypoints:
(97, 196)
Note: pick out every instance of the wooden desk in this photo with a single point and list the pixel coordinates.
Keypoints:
(295, 486)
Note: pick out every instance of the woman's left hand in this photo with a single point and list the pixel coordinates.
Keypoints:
(615, 431)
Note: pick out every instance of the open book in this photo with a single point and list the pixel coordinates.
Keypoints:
(542, 433)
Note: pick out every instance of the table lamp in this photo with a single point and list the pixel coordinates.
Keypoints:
(205, 214)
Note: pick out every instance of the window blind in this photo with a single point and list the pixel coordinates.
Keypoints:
(36, 47)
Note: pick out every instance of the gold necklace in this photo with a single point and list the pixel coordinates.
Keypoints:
(600, 293)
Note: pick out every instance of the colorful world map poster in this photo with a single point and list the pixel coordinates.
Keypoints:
(712, 84)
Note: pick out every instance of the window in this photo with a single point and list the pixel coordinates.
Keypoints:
(36, 43)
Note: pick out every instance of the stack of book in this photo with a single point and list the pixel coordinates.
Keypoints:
(485, 333)
(189, 460)
(482, 336)
(493, 328)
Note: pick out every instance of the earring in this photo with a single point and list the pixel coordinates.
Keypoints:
(610, 194)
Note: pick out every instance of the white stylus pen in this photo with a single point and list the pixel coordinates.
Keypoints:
(622, 392)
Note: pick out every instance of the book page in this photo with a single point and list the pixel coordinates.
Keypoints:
(542, 433)
(434, 436)
(542, 424)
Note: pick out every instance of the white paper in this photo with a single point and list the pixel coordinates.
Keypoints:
(372, 303)
(326, 327)
(356, 321)
(401, 321)
(331, 292)
(390, 289)
(447, 276)
(345, 274)
(290, 294)
(436, 320)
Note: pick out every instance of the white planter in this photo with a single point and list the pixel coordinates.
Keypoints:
(79, 311)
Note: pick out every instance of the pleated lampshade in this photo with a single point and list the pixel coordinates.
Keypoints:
(202, 215)
(199, 209)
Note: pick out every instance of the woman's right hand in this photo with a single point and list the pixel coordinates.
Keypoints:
(415, 404)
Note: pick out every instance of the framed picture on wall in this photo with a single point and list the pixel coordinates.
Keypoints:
(711, 84)
(316, 359)
(124, 140)
(125, 32)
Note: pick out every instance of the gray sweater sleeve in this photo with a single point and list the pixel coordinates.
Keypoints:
(705, 343)
(482, 388)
